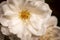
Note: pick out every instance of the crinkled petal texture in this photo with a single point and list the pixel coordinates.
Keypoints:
(39, 11)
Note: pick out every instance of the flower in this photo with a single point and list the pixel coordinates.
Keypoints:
(25, 17)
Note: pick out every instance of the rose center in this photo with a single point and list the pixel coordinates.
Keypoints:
(24, 14)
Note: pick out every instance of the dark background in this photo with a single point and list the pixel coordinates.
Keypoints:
(54, 5)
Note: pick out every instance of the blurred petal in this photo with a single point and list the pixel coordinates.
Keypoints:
(37, 0)
(52, 21)
(16, 3)
(4, 21)
(5, 31)
(39, 8)
(26, 35)
(16, 25)
(7, 10)
(38, 31)
(53, 33)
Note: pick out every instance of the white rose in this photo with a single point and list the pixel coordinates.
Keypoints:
(26, 17)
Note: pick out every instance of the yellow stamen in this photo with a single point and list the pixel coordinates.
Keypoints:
(24, 14)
